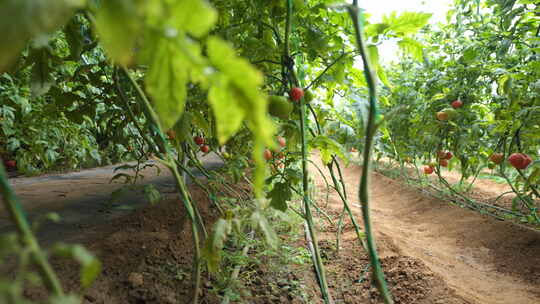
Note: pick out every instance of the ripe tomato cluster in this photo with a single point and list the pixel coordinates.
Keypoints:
(277, 155)
(200, 142)
(517, 160)
(444, 157)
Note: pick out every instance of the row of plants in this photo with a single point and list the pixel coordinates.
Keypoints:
(471, 100)
(174, 78)
(59, 109)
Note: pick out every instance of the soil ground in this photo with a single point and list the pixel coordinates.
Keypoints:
(432, 252)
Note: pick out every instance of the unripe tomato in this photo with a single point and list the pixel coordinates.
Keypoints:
(267, 154)
(198, 140)
(296, 94)
(205, 149)
(308, 96)
(520, 160)
(428, 170)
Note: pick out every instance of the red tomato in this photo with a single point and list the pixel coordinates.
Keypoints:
(497, 158)
(520, 160)
(282, 141)
(198, 140)
(267, 154)
(457, 104)
(443, 163)
(296, 94)
(11, 164)
(445, 155)
(205, 149)
(428, 170)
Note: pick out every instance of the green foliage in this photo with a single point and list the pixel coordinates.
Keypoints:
(118, 26)
(467, 59)
(280, 194)
(327, 147)
(22, 20)
(214, 244)
(406, 23)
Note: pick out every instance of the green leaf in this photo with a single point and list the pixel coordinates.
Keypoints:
(152, 194)
(183, 127)
(412, 47)
(75, 38)
(41, 79)
(211, 252)
(194, 16)
(167, 78)
(279, 196)
(225, 102)
(90, 265)
(22, 20)
(240, 81)
(118, 23)
(407, 22)
(469, 54)
(201, 122)
(373, 52)
(382, 76)
(260, 221)
(327, 148)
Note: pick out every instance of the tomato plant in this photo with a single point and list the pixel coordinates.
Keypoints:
(262, 85)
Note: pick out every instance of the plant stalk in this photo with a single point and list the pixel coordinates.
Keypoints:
(378, 273)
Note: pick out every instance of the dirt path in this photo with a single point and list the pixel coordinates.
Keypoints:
(481, 259)
(81, 198)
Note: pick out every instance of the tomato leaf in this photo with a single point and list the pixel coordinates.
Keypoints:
(117, 24)
(211, 252)
(237, 92)
(22, 20)
(279, 196)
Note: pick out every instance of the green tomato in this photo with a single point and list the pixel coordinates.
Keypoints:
(308, 96)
